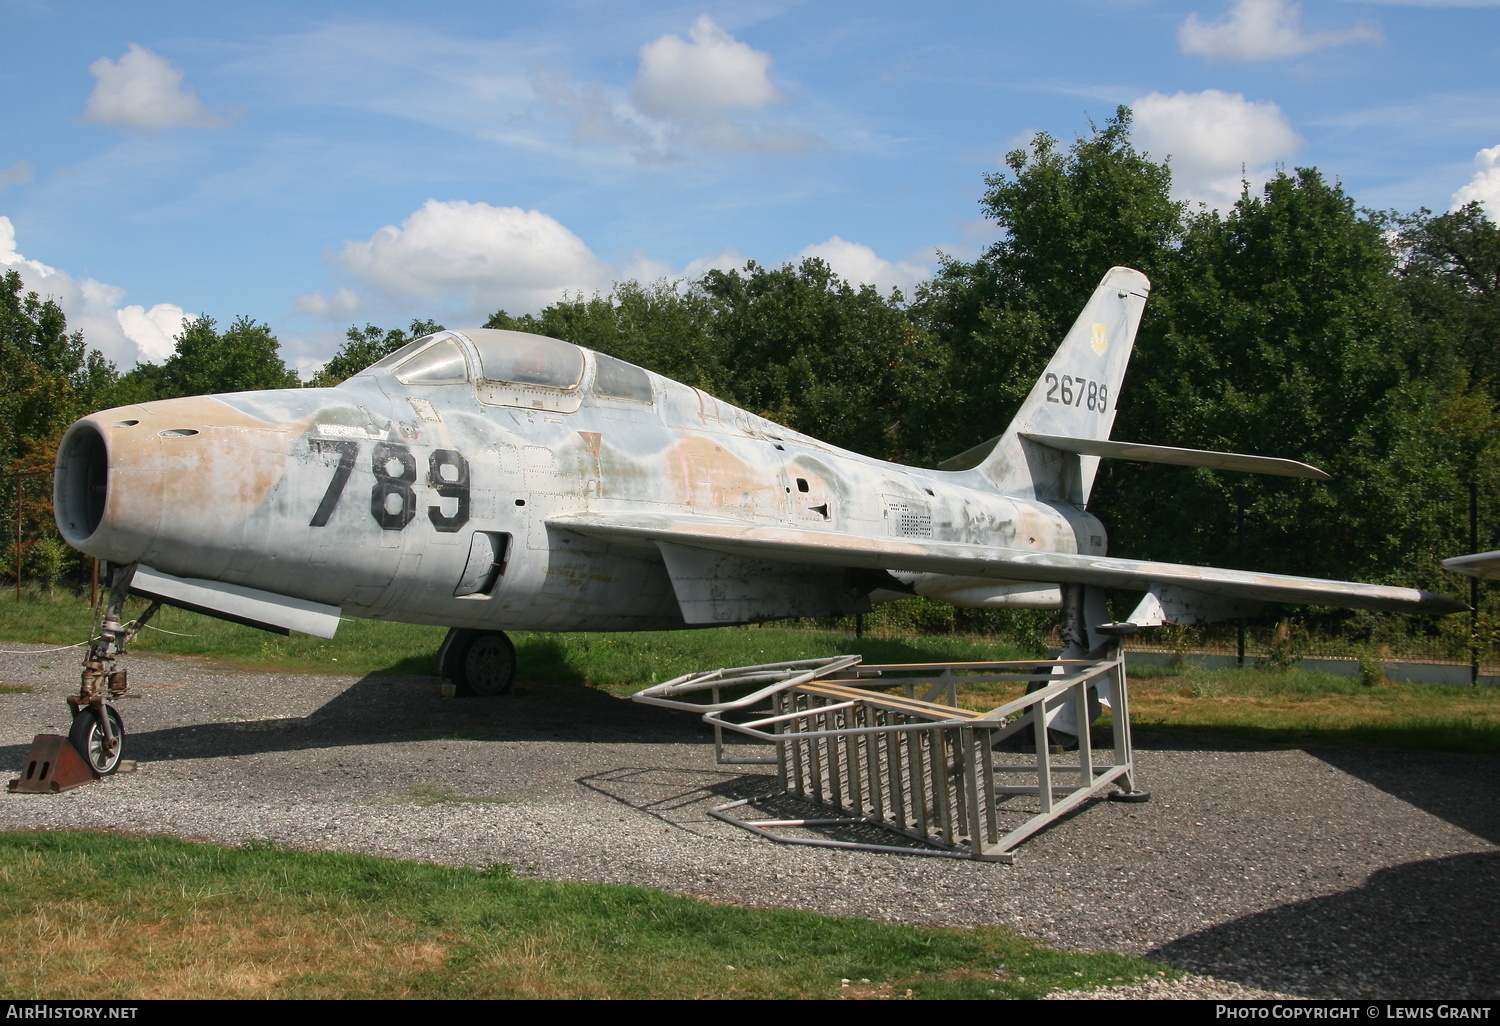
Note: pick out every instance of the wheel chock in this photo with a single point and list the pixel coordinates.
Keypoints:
(52, 765)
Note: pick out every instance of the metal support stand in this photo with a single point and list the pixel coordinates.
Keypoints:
(887, 748)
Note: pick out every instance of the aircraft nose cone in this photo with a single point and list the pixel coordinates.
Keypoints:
(163, 479)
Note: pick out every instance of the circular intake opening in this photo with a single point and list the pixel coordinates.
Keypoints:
(81, 484)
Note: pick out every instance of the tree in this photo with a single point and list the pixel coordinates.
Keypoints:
(1283, 334)
(48, 378)
(1450, 275)
(245, 357)
(1065, 219)
(37, 328)
(662, 326)
(805, 348)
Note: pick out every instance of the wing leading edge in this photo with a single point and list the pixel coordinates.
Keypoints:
(834, 549)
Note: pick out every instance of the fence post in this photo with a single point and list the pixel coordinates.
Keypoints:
(1473, 587)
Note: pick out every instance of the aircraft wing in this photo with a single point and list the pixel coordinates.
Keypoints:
(1481, 564)
(835, 549)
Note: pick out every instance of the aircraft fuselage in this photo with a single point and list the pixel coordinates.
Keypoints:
(429, 503)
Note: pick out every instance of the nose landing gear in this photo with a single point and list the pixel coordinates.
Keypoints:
(98, 733)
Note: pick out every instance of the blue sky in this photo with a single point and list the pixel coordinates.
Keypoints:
(318, 164)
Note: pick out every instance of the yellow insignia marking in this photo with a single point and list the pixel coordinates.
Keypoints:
(1100, 341)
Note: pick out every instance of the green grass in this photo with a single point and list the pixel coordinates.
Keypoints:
(434, 794)
(1299, 708)
(103, 916)
(621, 661)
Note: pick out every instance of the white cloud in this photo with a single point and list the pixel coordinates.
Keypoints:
(860, 265)
(343, 304)
(706, 75)
(1257, 30)
(17, 174)
(154, 331)
(125, 336)
(1484, 187)
(706, 92)
(485, 257)
(1214, 139)
(143, 90)
(724, 260)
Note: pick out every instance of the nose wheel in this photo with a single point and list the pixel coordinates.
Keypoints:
(98, 738)
(97, 732)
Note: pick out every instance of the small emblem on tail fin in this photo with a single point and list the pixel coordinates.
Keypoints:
(1100, 341)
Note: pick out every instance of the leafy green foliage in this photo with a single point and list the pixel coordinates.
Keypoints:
(796, 344)
(805, 348)
(244, 357)
(663, 326)
(1279, 331)
(1450, 276)
(48, 377)
(1066, 218)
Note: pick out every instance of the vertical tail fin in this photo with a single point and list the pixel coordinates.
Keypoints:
(1076, 397)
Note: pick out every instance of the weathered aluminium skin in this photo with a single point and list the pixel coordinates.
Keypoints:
(225, 488)
(625, 502)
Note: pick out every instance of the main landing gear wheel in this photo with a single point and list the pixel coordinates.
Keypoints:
(89, 738)
(487, 665)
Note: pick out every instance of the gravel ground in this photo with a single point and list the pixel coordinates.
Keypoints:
(1321, 874)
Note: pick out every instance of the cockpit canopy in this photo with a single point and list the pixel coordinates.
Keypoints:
(516, 368)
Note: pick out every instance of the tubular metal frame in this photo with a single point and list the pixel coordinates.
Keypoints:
(914, 763)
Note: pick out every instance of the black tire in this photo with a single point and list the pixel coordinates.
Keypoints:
(487, 665)
(88, 737)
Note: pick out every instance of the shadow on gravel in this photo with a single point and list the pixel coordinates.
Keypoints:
(380, 710)
(1453, 787)
(1458, 788)
(1422, 930)
(674, 796)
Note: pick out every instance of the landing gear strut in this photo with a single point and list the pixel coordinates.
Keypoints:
(98, 733)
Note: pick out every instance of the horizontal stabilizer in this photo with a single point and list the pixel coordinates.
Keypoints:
(1481, 564)
(812, 547)
(1179, 457)
(263, 609)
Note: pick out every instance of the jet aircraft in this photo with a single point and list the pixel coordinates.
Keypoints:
(488, 480)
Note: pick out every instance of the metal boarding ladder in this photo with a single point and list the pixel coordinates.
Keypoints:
(888, 746)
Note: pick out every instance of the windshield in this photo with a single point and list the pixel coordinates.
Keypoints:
(391, 359)
(440, 364)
